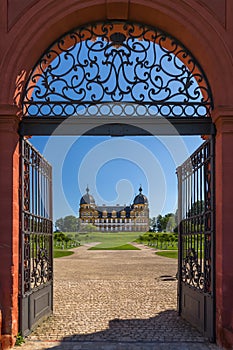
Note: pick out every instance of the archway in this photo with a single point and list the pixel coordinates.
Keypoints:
(112, 72)
(101, 76)
(31, 29)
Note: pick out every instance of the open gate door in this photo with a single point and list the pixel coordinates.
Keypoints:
(196, 286)
(36, 237)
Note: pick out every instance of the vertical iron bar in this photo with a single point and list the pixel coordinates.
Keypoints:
(213, 234)
(22, 217)
(180, 248)
(50, 217)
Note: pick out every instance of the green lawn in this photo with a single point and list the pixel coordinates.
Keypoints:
(120, 247)
(169, 254)
(108, 239)
(58, 253)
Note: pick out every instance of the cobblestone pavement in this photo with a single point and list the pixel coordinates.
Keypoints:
(115, 300)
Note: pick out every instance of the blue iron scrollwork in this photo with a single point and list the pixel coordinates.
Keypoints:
(104, 64)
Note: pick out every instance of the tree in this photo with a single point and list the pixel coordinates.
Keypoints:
(89, 228)
(159, 223)
(195, 216)
(170, 222)
(59, 224)
(59, 236)
(150, 238)
(76, 236)
(197, 208)
(153, 224)
(68, 224)
(156, 239)
(176, 221)
(67, 240)
(166, 223)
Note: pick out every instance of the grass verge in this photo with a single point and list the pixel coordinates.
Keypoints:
(107, 239)
(168, 254)
(57, 253)
(120, 247)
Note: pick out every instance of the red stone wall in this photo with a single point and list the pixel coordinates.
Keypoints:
(205, 27)
(9, 218)
(0, 329)
(28, 27)
(224, 239)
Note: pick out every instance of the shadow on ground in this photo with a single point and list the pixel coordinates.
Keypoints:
(164, 331)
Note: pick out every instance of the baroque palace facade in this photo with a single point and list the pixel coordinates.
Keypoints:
(134, 217)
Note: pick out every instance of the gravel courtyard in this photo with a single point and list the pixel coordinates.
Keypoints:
(115, 300)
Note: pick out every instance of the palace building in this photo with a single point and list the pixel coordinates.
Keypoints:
(134, 217)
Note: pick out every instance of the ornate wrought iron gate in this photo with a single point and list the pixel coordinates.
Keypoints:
(196, 239)
(36, 277)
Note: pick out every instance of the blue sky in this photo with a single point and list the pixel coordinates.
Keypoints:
(114, 168)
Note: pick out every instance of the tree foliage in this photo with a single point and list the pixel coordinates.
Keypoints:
(153, 224)
(160, 240)
(166, 223)
(197, 208)
(88, 228)
(67, 224)
(62, 240)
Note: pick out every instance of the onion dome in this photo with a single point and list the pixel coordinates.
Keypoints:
(140, 198)
(87, 198)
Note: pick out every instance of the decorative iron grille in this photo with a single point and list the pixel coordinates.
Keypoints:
(36, 222)
(197, 218)
(117, 69)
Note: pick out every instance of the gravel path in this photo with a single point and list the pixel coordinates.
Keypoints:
(115, 300)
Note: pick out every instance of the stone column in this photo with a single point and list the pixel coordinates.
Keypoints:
(9, 219)
(224, 227)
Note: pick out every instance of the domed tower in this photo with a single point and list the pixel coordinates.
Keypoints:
(141, 212)
(140, 200)
(87, 209)
(87, 200)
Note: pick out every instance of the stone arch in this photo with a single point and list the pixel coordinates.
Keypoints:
(210, 40)
(132, 64)
(47, 22)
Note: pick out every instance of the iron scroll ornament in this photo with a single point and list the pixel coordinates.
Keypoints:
(117, 69)
(36, 220)
(42, 270)
(191, 270)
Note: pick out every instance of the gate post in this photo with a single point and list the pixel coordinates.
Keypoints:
(9, 219)
(223, 119)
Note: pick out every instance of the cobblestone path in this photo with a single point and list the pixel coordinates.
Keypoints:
(115, 300)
